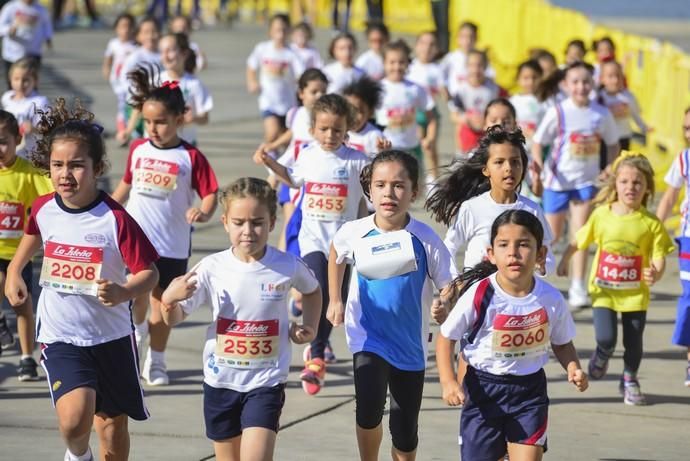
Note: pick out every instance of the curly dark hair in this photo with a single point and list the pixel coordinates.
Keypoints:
(59, 122)
(367, 90)
(334, 104)
(144, 89)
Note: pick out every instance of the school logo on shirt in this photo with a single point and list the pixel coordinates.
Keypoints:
(95, 238)
(273, 291)
(340, 173)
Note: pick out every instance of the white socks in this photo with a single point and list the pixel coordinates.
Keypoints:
(155, 356)
(142, 329)
(69, 456)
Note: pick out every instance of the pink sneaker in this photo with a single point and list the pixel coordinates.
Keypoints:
(313, 376)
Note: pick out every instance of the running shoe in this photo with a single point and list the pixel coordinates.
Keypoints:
(155, 373)
(578, 298)
(28, 370)
(598, 365)
(69, 458)
(687, 377)
(6, 336)
(140, 338)
(328, 354)
(313, 376)
(632, 395)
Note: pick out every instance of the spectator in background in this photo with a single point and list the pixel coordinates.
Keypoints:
(345, 25)
(440, 11)
(375, 10)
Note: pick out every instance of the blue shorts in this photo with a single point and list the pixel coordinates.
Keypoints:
(111, 369)
(681, 332)
(283, 194)
(556, 201)
(227, 413)
(281, 118)
(502, 409)
(292, 229)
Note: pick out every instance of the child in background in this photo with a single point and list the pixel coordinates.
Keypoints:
(333, 196)
(364, 96)
(272, 73)
(527, 107)
(504, 397)
(24, 26)
(676, 178)
(246, 356)
(116, 53)
(20, 185)
(620, 102)
(428, 74)
(390, 297)
(162, 175)
(343, 71)
(546, 60)
(468, 101)
(500, 112)
(632, 245)
(302, 35)
(605, 50)
(371, 61)
(88, 350)
(401, 99)
(575, 51)
(576, 128)
(24, 102)
(181, 24)
(454, 64)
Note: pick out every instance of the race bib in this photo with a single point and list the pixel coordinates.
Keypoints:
(517, 337)
(156, 178)
(400, 118)
(247, 343)
(11, 220)
(324, 202)
(71, 269)
(617, 272)
(620, 110)
(584, 145)
(386, 255)
(274, 69)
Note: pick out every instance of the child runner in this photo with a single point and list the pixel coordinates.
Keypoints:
(575, 128)
(428, 74)
(181, 24)
(302, 35)
(387, 314)
(575, 51)
(272, 73)
(632, 245)
(343, 71)
(24, 26)
(163, 173)
(527, 107)
(469, 99)
(146, 54)
(84, 319)
(504, 391)
(364, 96)
(116, 53)
(246, 356)
(501, 112)
(371, 61)
(333, 195)
(401, 99)
(605, 50)
(675, 179)
(24, 102)
(20, 185)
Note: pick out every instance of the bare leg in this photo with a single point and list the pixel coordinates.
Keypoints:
(579, 213)
(258, 444)
(369, 442)
(113, 436)
(158, 330)
(228, 449)
(518, 452)
(75, 412)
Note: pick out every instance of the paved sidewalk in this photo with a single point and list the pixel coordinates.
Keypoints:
(595, 425)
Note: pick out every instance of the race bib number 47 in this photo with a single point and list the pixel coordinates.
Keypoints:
(11, 220)
(247, 343)
(618, 272)
(516, 337)
(324, 202)
(156, 178)
(71, 269)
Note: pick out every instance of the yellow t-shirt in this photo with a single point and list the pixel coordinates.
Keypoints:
(20, 184)
(625, 246)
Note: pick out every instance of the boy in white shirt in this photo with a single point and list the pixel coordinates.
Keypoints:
(371, 61)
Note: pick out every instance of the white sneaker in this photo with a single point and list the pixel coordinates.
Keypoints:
(155, 373)
(69, 457)
(141, 341)
(578, 298)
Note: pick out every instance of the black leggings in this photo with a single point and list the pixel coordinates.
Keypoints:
(373, 377)
(318, 263)
(606, 329)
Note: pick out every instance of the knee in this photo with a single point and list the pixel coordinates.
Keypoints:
(112, 431)
(368, 416)
(404, 435)
(74, 424)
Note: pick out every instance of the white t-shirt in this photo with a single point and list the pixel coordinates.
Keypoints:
(339, 77)
(25, 110)
(624, 108)
(365, 140)
(199, 58)
(197, 98)
(279, 69)
(454, 67)
(371, 63)
(33, 27)
(472, 227)
(310, 56)
(139, 57)
(677, 176)
(400, 102)
(248, 344)
(332, 193)
(529, 114)
(163, 184)
(299, 122)
(390, 316)
(516, 334)
(118, 51)
(472, 100)
(575, 134)
(427, 75)
(99, 241)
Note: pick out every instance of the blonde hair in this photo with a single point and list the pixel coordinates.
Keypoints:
(250, 187)
(636, 160)
(28, 64)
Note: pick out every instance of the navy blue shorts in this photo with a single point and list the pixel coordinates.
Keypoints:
(168, 269)
(502, 409)
(556, 201)
(111, 369)
(281, 118)
(27, 272)
(227, 413)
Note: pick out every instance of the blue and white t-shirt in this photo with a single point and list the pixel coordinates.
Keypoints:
(390, 317)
